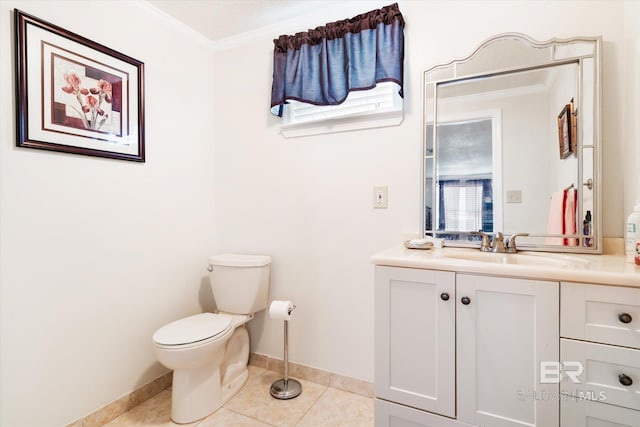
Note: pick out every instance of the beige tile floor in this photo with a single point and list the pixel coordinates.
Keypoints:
(253, 406)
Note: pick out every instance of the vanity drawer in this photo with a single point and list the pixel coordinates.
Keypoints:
(587, 413)
(606, 314)
(611, 374)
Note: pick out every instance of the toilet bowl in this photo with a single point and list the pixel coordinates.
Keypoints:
(209, 352)
(194, 347)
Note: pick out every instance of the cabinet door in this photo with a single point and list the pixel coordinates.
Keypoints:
(579, 413)
(415, 338)
(506, 328)
(390, 414)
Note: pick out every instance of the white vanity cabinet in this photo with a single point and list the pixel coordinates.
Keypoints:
(464, 350)
(415, 338)
(600, 342)
(506, 328)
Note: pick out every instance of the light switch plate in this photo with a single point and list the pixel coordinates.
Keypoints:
(380, 197)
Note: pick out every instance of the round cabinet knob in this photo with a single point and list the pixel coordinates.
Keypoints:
(625, 317)
(625, 380)
(210, 268)
(444, 296)
(465, 300)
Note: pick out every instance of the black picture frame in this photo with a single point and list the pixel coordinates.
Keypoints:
(564, 131)
(74, 95)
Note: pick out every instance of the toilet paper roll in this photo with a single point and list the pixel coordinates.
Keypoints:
(281, 310)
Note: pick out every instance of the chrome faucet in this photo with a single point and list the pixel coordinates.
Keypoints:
(511, 244)
(498, 245)
(485, 244)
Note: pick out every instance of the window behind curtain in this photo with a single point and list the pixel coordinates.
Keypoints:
(345, 70)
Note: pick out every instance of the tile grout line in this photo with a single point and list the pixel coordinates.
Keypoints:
(248, 416)
(245, 415)
(326, 387)
(312, 405)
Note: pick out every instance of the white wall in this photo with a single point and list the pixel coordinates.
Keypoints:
(631, 153)
(96, 254)
(308, 201)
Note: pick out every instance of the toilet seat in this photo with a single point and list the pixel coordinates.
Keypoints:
(193, 329)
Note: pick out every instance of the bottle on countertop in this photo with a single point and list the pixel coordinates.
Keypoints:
(587, 230)
(637, 259)
(632, 233)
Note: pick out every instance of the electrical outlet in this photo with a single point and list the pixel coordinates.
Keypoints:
(514, 196)
(380, 197)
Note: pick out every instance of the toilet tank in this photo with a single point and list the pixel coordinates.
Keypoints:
(240, 283)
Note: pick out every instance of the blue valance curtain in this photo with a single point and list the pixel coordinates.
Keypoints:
(321, 66)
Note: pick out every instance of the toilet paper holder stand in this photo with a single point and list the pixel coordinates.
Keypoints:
(286, 388)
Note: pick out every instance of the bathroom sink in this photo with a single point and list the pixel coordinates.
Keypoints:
(519, 259)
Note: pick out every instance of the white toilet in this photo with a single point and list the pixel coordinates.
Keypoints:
(209, 352)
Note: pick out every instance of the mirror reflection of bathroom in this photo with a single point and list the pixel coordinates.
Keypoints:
(512, 147)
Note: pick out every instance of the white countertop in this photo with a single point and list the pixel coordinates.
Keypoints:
(599, 269)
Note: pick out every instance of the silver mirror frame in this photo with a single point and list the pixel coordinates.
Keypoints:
(561, 52)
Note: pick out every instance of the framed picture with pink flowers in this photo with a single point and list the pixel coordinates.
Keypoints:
(74, 95)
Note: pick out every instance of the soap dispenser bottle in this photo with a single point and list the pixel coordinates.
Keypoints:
(632, 233)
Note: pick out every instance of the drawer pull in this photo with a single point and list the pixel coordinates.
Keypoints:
(625, 380)
(444, 296)
(465, 300)
(625, 317)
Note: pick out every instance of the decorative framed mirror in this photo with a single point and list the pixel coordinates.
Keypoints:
(512, 144)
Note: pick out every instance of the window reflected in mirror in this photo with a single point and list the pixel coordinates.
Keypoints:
(465, 183)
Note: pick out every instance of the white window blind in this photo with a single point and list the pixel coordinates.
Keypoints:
(366, 109)
(380, 99)
(463, 207)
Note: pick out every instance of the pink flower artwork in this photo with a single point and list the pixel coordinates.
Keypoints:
(89, 103)
(90, 99)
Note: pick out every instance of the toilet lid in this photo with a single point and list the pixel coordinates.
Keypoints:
(192, 329)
